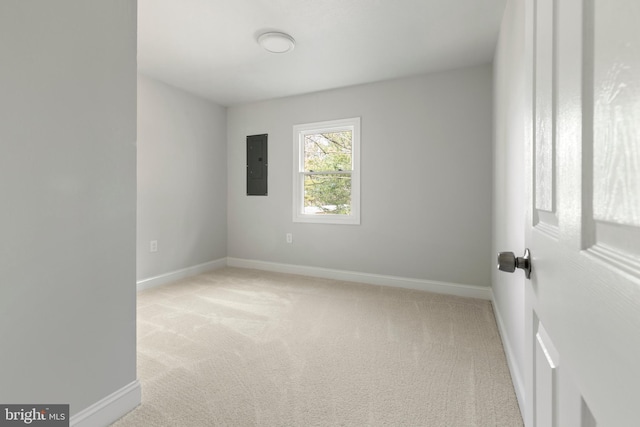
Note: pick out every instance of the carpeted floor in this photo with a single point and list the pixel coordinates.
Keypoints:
(239, 347)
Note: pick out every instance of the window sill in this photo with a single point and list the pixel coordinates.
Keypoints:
(327, 219)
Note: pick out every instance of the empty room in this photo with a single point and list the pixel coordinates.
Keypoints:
(319, 213)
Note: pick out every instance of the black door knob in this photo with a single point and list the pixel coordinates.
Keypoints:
(508, 262)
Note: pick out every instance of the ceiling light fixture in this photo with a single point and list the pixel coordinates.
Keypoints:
(275, 42)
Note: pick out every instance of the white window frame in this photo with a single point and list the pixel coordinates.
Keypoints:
(299, 131)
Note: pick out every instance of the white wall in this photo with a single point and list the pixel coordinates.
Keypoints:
(426, 180)
(182, 179)
(509, 184)
(68, 186)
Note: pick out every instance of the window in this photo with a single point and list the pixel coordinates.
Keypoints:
(326, 181)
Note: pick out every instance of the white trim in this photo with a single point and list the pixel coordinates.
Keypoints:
(470, 291)
(352, 124)
(516, 377)
(172, 276)
(111, 408)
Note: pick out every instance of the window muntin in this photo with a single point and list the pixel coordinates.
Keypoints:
(326, 175)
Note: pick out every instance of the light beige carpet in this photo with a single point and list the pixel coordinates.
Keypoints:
(241, 347)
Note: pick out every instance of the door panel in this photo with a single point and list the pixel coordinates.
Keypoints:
(585, 284)
(616, 154)
(614, 227)
(544, 107)
(546, 365)
(545, 216)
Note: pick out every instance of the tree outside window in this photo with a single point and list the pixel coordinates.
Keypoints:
(327, 176)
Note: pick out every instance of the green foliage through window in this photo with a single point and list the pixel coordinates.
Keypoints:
(328, 167)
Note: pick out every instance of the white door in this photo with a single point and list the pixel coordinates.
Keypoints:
(583, 222)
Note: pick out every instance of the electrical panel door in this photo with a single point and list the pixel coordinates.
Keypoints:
(257, 165)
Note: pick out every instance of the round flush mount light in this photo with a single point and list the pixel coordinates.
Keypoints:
(275, 42)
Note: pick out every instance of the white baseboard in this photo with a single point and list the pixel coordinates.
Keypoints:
(456, 289)
(172, 276)
(516, 377)
(111, 408)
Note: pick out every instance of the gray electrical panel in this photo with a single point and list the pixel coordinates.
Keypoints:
(257, 165)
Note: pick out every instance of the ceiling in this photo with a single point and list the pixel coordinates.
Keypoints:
(209, 47)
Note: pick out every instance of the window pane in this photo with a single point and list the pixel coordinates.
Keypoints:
(328, 151)
(328, 194)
